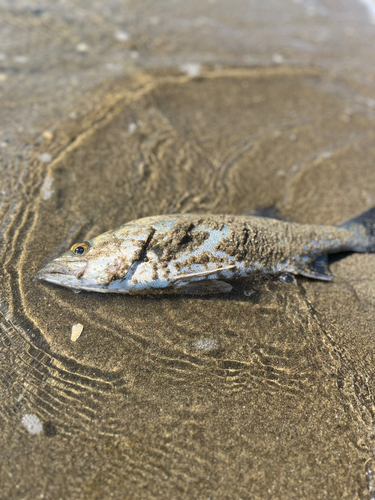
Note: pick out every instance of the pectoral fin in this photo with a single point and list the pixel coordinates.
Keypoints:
(318, 269)
(203, 273)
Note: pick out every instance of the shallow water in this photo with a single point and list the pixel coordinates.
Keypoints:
(263, 393)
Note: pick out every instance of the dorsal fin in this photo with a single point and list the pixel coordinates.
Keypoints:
(269, 212)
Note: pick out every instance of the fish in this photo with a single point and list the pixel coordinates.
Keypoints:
(189, 253)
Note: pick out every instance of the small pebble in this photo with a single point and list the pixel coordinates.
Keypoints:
(132, 127)
(20, 59)
(45, 157)
(206, 344)
(122, 36)
(76, 332)
(82, 47)
(47, 190)
(47, 134)
(191, 69)
(113, 66)
(278, 58)
(288, 279)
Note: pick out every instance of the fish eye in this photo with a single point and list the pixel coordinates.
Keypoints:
(80, 248)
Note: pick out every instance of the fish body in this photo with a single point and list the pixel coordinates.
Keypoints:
(187, 253)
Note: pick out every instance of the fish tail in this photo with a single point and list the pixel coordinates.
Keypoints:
(363, 228)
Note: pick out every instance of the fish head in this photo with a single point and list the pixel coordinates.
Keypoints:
(93, 265)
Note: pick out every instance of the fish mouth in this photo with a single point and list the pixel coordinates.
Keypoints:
(61, 272)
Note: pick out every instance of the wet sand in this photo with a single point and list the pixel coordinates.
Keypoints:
(267, 392)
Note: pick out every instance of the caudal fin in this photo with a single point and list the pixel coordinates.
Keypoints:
(364, 226)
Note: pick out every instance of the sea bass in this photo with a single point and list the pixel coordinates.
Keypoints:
(203, 253)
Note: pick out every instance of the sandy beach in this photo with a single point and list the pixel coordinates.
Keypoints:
(112, 112)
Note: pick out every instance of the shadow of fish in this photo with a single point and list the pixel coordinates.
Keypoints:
(202, 253)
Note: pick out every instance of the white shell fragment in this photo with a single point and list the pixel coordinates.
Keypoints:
(32, 423)
(76, 332)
